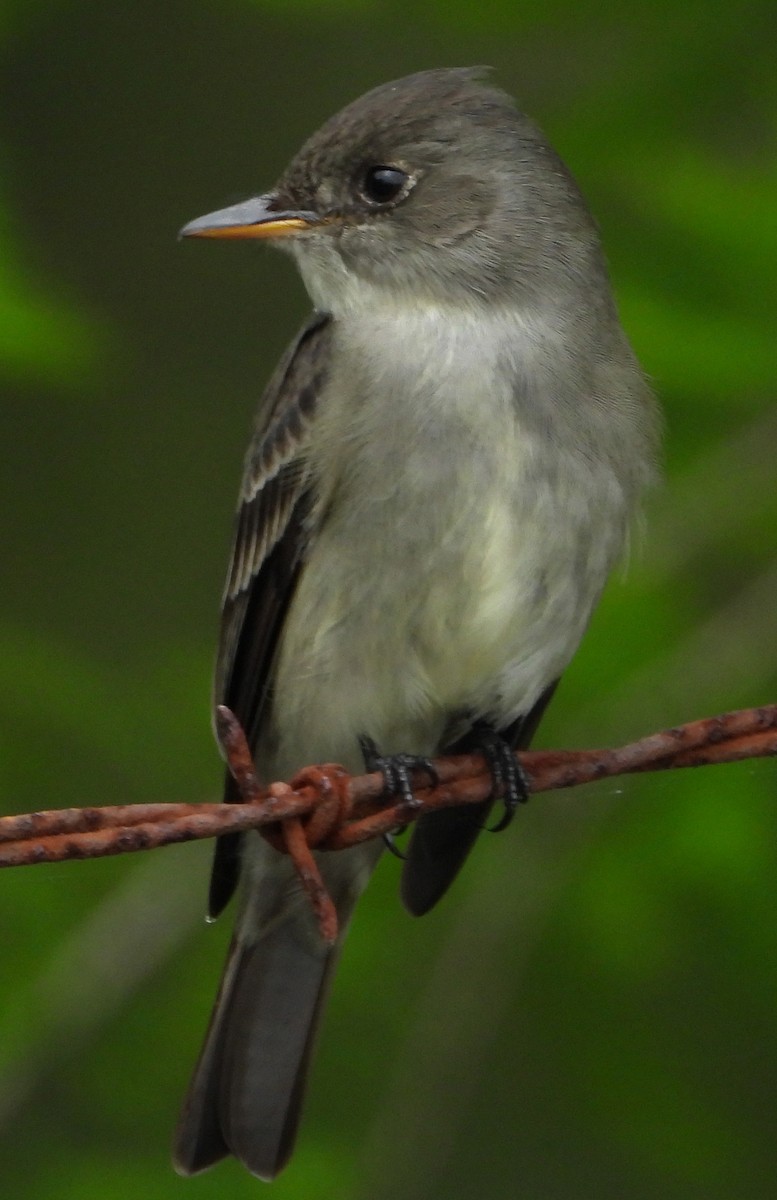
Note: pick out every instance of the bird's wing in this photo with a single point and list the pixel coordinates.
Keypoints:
(267, 551)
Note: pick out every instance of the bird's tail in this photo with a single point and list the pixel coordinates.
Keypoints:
(246, 1093)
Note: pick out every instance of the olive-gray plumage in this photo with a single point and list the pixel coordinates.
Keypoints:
(444, 470)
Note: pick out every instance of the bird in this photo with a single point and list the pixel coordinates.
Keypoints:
(446, 465)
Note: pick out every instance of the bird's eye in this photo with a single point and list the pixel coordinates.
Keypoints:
(382, 184)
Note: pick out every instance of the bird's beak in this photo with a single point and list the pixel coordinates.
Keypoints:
(262, 217)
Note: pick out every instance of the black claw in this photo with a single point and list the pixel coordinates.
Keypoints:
(507, 777)
(391, 845)
(396, 770)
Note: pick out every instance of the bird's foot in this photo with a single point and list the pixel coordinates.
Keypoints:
(396, 770)
(507, 777)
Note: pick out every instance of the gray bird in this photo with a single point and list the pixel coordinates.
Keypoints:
(445, 467)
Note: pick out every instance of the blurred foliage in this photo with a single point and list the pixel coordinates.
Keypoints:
(591, 1012)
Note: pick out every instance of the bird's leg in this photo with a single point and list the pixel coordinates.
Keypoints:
(396, 771)
(507, 776)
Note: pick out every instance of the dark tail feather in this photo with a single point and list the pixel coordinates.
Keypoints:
(247, 1090)
(440, 843)
(198, 1141)
(442, 840)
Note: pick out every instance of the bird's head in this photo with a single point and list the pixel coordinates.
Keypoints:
(430, 189)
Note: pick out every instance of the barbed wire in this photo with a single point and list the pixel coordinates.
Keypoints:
(323, 808)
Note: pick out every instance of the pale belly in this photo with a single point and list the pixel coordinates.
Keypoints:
(406, 617)
(460, 548)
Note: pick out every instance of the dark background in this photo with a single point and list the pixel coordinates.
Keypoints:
(592, 1012)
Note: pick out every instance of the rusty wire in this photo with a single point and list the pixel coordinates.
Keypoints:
(325, 808)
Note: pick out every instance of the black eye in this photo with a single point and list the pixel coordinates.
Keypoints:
(382, 184)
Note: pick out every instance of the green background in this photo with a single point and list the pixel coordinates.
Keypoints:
(591, 1013)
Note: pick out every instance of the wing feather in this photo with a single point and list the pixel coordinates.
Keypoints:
(268, 548)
